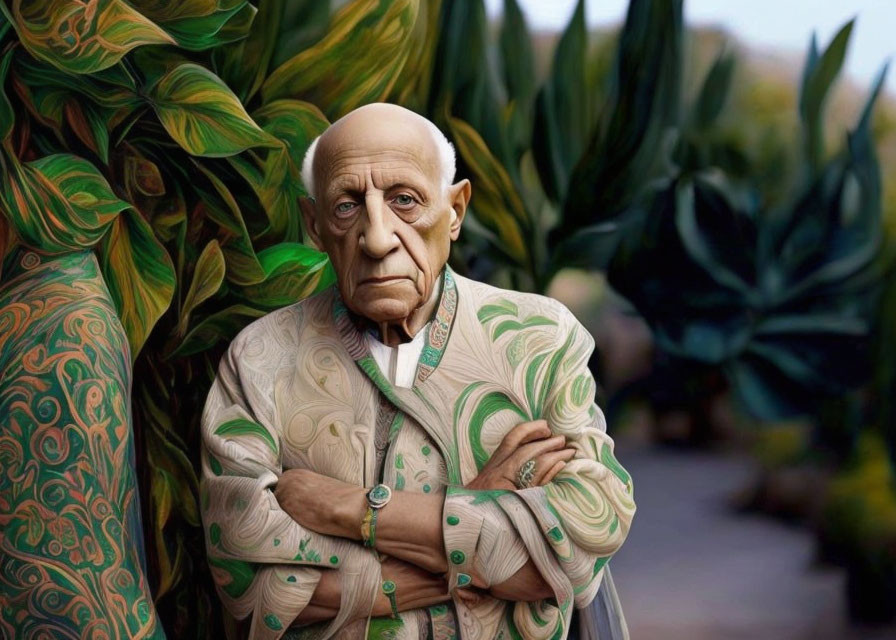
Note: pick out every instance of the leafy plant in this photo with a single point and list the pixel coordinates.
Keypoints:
(169, 138)
(622, 178)
(783, 298)
(555, 166)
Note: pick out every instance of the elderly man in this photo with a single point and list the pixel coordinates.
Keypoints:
(410, 454)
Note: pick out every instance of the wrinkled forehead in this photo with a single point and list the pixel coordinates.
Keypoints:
(381, 146)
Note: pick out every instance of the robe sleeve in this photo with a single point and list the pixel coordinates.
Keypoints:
(263, 562)
(571, 527)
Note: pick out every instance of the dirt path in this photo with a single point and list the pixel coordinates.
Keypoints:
(692, 569)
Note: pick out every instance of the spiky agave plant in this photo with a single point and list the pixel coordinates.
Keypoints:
(618, 176)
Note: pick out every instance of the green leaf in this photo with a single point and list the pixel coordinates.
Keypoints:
(244, 66)
(591, 247)
(714, 91)
(518, 66)
(82, 37)
(7, 115)
(301, 23)
(208, 276)
(90, 125)
(495, 199)
(198, 24)
(202, 114)
(467, 91)
(701, 246)
(276, 180)
(220, 206)
(817, 81)
(58, 203)
(292, 272)
(412, 88)
(517, 56)
(139, 274)
(218, 328)
(562, 114)
(338, 72)
(628, 148)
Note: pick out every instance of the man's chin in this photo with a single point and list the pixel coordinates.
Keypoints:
(384, 309)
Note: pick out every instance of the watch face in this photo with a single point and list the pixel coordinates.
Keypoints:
(379, 496)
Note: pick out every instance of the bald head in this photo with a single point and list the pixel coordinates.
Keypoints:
(392, 122)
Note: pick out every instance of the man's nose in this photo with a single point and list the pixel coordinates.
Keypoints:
(378, 238)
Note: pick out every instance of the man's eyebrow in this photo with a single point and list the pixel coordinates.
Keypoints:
(342, 185)
(403, 184)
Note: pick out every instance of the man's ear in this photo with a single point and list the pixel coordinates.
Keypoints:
(309, 215)
(459, 197)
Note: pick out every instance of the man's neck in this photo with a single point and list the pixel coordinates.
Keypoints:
(393, 333)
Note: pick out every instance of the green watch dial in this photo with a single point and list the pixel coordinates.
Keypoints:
(379, 496)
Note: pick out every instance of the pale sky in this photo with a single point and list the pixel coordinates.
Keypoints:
(777, 25)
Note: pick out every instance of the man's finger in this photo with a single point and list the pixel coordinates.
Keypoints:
(557, 468)
(521, 434)
(532, 450)
(545, 463)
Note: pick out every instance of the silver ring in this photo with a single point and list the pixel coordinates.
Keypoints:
(526, 474)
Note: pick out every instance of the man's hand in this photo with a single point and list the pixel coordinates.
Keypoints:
(526, 441)
(414, 588)
(322, 504)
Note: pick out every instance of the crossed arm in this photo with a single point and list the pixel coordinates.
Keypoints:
(409, 528)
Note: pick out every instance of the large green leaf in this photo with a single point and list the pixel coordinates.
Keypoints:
(202, 114)
(467, 91)
(276, 179)
(495, 200)
(139, 274)
(292, 272)
(518, 65)
(7, 115)
(82, 37)
(244, 66)
(58, 203)
(562, 114)
(628, 148)
(222, 208)
(357, 62)
(198, 24)
(208, 276)
(413, 85)
(216, 329)
(517, 56)
(818, 77)
(714, 91)
(90, 124)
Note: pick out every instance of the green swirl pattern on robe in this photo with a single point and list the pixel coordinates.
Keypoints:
(70, 537)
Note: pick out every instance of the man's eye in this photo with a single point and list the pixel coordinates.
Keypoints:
(344, 208)
(403, 200)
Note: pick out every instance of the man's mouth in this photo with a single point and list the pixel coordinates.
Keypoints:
(383, 279)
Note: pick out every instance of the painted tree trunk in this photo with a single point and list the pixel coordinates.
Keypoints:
(71, 544)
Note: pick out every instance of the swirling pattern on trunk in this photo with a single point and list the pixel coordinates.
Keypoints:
(71, 545)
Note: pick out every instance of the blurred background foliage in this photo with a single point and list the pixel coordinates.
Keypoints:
(738, 213)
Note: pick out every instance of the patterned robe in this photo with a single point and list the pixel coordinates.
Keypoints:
(299, 389)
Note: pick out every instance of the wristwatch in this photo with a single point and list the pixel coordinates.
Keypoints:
(377, 498)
